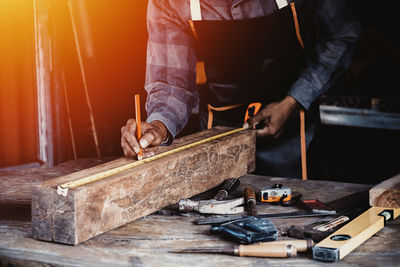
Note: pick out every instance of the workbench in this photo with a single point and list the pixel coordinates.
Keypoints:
(147, 241)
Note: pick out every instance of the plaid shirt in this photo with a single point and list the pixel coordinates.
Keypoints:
(171, 57)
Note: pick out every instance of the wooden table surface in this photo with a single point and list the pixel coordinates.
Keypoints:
(147, 241)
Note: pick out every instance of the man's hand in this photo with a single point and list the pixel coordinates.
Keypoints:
(274, 115)
(153, 134)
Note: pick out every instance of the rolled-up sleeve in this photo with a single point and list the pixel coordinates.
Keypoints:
(170, 67)
(339, 32)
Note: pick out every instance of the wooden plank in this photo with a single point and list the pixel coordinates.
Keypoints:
(16, 185)
(386, 194)
(95, 208)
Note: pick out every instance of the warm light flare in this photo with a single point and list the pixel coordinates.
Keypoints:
(17, 82)
(111, 37)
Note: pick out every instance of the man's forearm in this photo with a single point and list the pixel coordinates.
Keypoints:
(332, 52)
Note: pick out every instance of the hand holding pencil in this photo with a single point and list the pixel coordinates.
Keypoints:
(138, 124)
(138, 137)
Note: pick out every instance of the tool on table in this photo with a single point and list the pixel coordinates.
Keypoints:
(302, 245)
(275, 193)
(138, 123)
(324, 220)
(331, 224)
(247, 230)
(229, 218)
(212, 206)
(385, 202)
(345, 208)
(216, 205)
(315, 205)
(228, 186)
(272, 251)
(317, 230)
(220, 192)
(350, 204)
(250, 200)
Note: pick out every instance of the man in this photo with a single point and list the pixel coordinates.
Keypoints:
(284, 54)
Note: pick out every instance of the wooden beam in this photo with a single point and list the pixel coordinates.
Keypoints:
(95, 208)
(386, 194)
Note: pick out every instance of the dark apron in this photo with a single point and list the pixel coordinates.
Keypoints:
(254, 60)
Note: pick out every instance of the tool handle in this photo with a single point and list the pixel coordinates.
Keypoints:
(228, 186)
(302, 245)
(252, 110)
(249, 196)
(188, 205)
(272, 251)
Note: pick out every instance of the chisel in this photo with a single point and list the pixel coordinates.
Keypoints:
(228, 218)
(258, 250)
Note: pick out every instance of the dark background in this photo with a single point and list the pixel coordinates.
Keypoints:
(364, 155)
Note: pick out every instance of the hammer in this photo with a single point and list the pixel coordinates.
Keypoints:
(217, 205)
(212, 206)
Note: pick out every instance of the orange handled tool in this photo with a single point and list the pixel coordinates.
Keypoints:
(252, 110)
(138, 123)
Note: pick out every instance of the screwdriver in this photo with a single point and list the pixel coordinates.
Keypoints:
(259, 250)
(250, 200)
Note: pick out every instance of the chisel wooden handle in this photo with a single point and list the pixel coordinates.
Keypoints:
(272, 251)
(250, 200)
(249, 196)
(301, 245)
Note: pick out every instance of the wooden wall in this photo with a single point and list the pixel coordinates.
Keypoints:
(110, 65)
(18, 135)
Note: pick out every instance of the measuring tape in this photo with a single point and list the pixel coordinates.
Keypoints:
(63, 189)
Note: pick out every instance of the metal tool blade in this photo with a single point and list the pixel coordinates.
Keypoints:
(223, 219)
(225, 250)
(253, 210)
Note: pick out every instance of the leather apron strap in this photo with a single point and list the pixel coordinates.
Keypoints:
(302, 116)
(211, 115)
(195, 9)
(195, 12)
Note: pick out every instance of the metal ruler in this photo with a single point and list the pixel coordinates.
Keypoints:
(63, 189)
